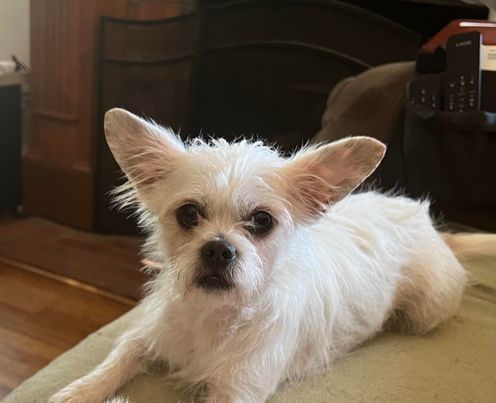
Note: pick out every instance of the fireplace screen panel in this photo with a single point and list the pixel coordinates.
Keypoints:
(254, 68)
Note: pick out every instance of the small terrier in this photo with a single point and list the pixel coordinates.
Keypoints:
(271, 269)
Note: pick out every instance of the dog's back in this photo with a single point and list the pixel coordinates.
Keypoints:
(389, 264)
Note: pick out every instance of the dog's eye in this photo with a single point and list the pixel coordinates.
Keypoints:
(261, 221)
(187, 215)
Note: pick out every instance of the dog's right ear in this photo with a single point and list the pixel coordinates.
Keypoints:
(145, 151)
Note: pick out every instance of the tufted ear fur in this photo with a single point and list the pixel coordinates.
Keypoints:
(319, 177)
(145, 151)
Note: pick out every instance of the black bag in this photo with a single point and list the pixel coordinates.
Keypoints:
(451, 158)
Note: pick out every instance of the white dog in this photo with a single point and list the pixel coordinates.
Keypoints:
(271, 269)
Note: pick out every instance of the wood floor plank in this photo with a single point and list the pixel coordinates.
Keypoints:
(109, 262)
(40, 318)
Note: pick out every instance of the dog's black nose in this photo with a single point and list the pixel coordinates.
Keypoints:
(218, 253)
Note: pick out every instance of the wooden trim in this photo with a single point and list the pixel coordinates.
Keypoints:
(65, 117)
(62, 193)
(163, 60)
(156, 21)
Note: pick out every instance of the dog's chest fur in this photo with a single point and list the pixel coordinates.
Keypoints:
(196, 329)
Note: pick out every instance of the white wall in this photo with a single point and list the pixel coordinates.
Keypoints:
(14, 29)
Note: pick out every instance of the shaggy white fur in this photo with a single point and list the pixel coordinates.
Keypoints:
(332, 270)
(118, 399)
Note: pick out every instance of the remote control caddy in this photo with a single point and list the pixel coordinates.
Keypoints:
(447, 133)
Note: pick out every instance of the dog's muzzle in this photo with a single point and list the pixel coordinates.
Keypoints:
(217, 259)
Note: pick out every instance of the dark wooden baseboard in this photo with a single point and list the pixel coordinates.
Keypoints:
(58, 192)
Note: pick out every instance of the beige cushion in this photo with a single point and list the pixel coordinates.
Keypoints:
(455, 363)
(366, 104)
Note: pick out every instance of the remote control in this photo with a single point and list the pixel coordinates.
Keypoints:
(463, 73)
(425, 90)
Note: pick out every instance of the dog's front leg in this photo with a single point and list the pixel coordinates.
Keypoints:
(252, 379)
(124, 362)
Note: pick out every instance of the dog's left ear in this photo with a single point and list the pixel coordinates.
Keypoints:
(322, 176)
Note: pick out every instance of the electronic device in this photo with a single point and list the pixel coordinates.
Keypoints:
(432, 59)
(431, 62)
(488, 78)
(486, 28)
(425, 90)
(462, 79)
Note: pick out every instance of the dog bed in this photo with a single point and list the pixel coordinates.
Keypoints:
(454, 363)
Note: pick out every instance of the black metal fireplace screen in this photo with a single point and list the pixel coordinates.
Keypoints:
(252, 68)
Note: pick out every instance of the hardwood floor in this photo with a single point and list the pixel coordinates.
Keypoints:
(57, 286)
(108, 262)
(41, 317)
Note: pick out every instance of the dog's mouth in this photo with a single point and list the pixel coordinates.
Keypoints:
(214, 282)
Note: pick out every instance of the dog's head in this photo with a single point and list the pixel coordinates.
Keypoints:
(224, 213)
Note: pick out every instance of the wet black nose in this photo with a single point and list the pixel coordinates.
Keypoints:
(218, 253)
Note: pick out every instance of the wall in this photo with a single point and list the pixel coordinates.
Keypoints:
(14, 29)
